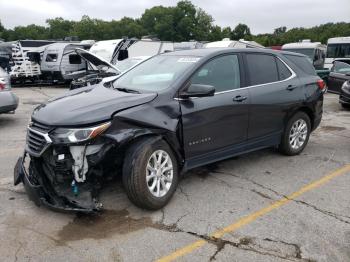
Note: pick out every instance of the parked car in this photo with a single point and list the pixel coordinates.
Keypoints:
(171, 113)
(339, 73)
(97, 68)
(8, 100)
(344, 96)
(131, 53)
(338, 80)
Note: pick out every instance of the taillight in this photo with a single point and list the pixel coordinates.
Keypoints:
(2, 86)
(321, 84)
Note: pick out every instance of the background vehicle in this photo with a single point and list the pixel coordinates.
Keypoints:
(315, 51)
(8, 100)
(126, 56)
(340, 72)
(17, 61)
(226, 42)
(337, 47)
(106, 49)
(187, 45)
(59, 60)
(96, 69)
(344, 96)
(174, 112)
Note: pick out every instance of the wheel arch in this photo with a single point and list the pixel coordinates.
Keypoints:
(153, 136)
(305, 109)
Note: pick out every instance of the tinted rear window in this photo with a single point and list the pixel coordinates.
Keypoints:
(303, 63)
(262, 69)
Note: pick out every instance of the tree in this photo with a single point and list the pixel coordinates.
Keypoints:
(241, 31)
(159, 21)
(59, 28)
(226, 32)
(203, 25)
(280, 30)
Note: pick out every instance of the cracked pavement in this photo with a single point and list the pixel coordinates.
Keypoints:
(313, 227)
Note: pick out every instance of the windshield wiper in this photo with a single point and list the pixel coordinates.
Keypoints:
(127, 90)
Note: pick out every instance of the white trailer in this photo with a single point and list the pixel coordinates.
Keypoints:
(60, 60)
(337, 47)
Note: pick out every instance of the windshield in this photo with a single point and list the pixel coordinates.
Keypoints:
(338, 50)
(305, 51)
(127, 63)
(155, 74)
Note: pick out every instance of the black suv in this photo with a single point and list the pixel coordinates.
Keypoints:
(169, 114)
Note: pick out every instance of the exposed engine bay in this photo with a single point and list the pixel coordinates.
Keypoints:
(90, 78)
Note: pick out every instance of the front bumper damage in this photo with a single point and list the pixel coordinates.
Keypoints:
(31, 171)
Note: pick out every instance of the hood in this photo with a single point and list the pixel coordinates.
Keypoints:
(88, 106)
(98, 63)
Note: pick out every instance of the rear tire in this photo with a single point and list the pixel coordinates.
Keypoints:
(296, 134)
(150, 173)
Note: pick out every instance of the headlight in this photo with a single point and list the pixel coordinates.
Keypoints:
(75, 135)
(346, 85)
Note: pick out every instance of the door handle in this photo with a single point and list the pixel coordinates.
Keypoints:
(291, 87)
(239, 98)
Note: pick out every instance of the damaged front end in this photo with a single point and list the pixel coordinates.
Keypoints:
(64, 168)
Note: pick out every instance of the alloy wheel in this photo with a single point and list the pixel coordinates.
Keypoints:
(159, 173)
(298, 134)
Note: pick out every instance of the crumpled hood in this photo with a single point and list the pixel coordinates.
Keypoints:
(87, 105)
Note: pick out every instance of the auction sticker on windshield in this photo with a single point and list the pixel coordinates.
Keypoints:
(188, 59)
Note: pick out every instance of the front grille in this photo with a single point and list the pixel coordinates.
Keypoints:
(40, 127)
(37, 142)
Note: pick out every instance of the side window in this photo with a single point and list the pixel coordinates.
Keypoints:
(221, 72)
(51, 58)
(283, 71)
(262, 69)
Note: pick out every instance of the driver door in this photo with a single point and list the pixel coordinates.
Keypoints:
(214, 124)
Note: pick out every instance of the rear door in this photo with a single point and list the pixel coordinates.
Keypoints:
(213, 123)
(273, 90)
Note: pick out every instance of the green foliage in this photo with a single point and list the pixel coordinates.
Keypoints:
(182, 22)
(241, 31)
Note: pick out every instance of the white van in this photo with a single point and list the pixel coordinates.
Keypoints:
(314, 50)
(337, 47)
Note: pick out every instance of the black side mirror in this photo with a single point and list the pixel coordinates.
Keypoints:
(198, 90)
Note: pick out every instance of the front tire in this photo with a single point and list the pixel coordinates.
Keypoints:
(296, 134)
(150, 173)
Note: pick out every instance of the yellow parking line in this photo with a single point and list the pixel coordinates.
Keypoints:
(252, 217)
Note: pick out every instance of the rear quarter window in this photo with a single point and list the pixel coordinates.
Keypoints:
(283, 71)
(303, 63)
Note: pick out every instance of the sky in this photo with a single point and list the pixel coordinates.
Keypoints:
(262, 16)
